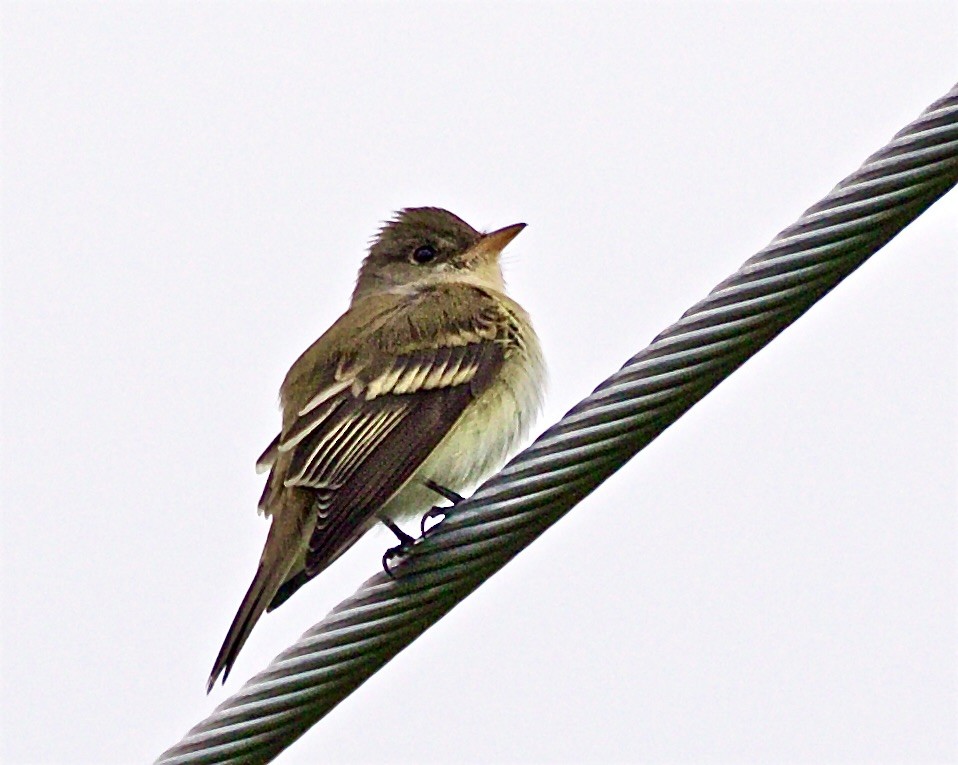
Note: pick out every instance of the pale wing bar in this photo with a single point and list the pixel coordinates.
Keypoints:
(335, 434)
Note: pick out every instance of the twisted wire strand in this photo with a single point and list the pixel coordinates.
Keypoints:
(595, 438)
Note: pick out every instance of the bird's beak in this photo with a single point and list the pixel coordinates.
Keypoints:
(490, 245)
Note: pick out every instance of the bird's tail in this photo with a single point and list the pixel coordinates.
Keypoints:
(278, 555)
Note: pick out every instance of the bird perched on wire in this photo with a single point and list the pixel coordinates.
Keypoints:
(428, 382)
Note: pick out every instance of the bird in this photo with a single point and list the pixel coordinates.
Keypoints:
(427, 383)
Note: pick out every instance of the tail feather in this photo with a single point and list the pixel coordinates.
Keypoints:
(297, 580)
(287, 589)
(284, 544)
(257, 597)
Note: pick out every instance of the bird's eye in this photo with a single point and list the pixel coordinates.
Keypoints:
(424, 254)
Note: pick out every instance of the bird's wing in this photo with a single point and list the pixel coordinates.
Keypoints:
(358, 440)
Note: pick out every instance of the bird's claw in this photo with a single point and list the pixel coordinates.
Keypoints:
(396, 552)
(432, 512)
(438, 512)
(405, 542)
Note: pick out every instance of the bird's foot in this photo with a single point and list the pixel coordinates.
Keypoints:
(405, 542)
(431, 514)
(437, 512)
(443, 492)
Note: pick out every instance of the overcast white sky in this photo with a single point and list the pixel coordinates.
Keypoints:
(187, 193)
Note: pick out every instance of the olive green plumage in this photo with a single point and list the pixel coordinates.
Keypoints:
(433, 373)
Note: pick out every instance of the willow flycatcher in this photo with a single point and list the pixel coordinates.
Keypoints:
(427, 383)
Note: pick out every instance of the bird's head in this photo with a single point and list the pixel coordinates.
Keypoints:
(426, 245)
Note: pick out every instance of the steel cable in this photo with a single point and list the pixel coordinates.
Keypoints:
(595, 438)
